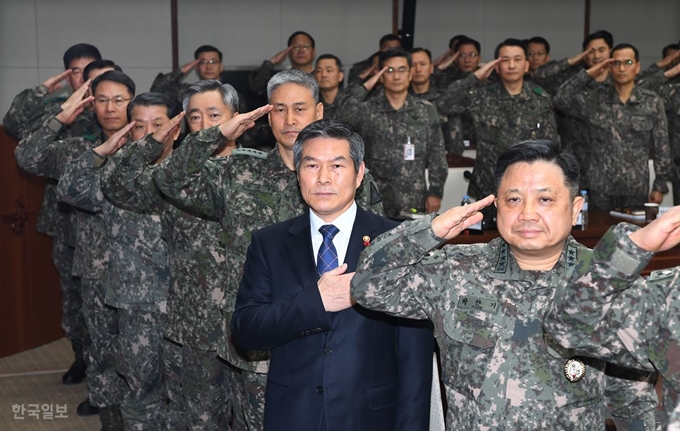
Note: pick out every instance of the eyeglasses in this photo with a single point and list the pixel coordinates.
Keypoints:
(118, 101)
(466, 55)
(624, 63)
(403, 70)
(204, 62)
(536, 53)
(301, 47)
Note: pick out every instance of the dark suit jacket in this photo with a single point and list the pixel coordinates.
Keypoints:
(362, 369)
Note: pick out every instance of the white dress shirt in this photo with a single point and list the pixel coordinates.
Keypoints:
(344, 222)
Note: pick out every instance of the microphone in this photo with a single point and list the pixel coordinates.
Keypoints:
(468, 176)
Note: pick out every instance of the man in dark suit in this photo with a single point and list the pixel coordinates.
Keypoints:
(334, 364)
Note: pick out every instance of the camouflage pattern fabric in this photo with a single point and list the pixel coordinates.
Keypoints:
(207, 385)
(452, 126)
(500, 121)
(609, 312)
(386, 131)
(621, 136)
(106, 386)
(497, 370)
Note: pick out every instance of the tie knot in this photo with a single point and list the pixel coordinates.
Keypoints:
(328, 231)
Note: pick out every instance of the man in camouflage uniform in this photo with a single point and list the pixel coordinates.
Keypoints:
(301, 52)
(43, 154)
(421, 87)
(670, 59)
(29, 110)
(196, 253)
(328, 73)
(359, 70)
(503, 113)
(208, 64)
(403, 138)
(254, 190)
(609, 312)
(624, 122)
(487, 302)
(671, 101)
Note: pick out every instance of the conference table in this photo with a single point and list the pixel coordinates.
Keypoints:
(598, 224)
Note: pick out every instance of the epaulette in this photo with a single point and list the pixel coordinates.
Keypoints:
(249, 152)
(90, 138)
(537, 90)
(60, 99)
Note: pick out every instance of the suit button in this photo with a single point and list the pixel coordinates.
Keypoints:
(328, 350)
(319, 389)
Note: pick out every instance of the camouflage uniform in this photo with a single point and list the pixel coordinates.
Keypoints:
(500, 121)
(42, 154)
(487, 312)
(386, 132)
(171, 85)
(137, 286)
(620, 138)
(671, 101)
(258, 78)
(253, 190)
(28, 112)
(452, 126)
(610, 313)
(355, 71)
(197, 258)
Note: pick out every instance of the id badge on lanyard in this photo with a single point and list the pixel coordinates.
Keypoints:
(409, 150)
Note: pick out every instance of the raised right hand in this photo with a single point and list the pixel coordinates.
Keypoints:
(186, 68)
(457, 219)
(54, 83)
(279, 57)
(75, 104)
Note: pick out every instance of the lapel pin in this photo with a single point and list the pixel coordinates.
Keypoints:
(367, 240)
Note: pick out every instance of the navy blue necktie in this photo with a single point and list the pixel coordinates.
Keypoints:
(327, 258)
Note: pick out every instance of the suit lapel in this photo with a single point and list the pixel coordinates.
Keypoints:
(300, 251)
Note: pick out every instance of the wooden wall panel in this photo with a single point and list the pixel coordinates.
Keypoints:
(30, 300)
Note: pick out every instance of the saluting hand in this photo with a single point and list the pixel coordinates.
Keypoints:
(186, 68)
(661, 234)
(597, 69)
(75, 104)
(457, 219)
(281, 55)
(54, 83)
(486, 70)
(115, 141)
(238, 124)
(167, 130)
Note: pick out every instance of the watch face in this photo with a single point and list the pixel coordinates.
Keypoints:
(574, 370)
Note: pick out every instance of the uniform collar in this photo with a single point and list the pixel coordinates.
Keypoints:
(506, 267)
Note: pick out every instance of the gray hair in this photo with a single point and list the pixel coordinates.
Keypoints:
(229, 94)
(332, 129)
(293, 76)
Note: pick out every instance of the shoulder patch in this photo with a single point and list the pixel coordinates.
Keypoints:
(661, 274)
(249, 152)
(90, 138)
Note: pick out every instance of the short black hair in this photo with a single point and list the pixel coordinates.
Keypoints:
(392, 53)
(114, 76)
(299, 32)
(600, 34)
(207, 48)
(511, 42)
(675, 46)
(469, 41)
(425, 50)
(621, 46)
(330, 57)
(388, 38)
(333, 129)
(453, 42)
(540, 151)
(99, 64)
(154, 99)
(80, 50)
(541, 40)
